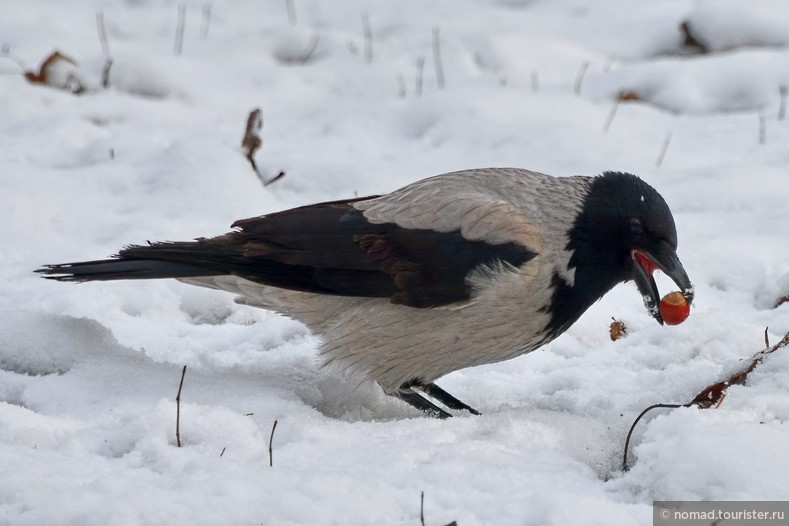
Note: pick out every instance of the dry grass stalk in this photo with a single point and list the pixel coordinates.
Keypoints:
(178, 409)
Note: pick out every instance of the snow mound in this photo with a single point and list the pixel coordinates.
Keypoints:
(742, 81)
(729, 24)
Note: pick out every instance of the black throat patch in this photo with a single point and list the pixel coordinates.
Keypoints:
(600, 245)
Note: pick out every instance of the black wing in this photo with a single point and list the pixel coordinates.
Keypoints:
(327, 248)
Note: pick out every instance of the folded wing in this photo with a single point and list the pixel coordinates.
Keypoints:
(332, 248)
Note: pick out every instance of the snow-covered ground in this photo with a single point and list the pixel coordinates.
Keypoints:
(89, 373)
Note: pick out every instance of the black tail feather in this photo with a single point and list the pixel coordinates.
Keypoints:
(112, 269)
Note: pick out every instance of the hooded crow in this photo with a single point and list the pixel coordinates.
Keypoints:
(457, 270)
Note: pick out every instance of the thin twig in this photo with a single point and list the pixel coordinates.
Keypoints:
(714, 394)
(422, 508)
(352, 47)
(305, 56)
(782, 107)
(580, 77)
(206, 20)
(368, 37)
(105, 73)
(420, 67)
(179, 29)
(689, 39)
(270, 449)
(762, 128)
(437, 58)
(663, 149)
(766, 338)
(105, 45)
(400, 86)
(223, 452)
(178, 409)
(5, 52)
(291, 12)
(274, 179)
(612, 113)
(638, 418)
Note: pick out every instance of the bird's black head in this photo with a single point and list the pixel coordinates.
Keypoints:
(624, 232)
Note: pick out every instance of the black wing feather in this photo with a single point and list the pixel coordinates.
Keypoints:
(328, 248)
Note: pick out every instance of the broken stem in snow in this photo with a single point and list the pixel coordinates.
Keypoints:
(179, 30)
(612, 113)
(105, 45)
(714, 394)
(400, 86)
(580, 77)
(437, 59)
(252, 142)
(206, 20)
(305, 56)
(178, 409)
(105, 73)
(368, 37)
(270, 448)
(635, 422)
(663, 150)
(5, 52)
(291, 12)
(762, 128)
(274, 179)
(420, 67)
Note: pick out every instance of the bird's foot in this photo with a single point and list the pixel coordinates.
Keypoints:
(408, 394)
(447, 399)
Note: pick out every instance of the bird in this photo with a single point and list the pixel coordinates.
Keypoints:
(454, 271)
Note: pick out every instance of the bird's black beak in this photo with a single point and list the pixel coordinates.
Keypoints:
(664, 258)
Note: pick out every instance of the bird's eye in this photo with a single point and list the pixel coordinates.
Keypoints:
(636, 227)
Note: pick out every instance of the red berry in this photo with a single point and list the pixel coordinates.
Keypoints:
(674, 308)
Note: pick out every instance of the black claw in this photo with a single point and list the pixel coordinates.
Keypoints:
(408, 395)
(413, 398)
(447, 399)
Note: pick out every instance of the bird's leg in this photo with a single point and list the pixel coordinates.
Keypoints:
(445, 398)
(411, 397)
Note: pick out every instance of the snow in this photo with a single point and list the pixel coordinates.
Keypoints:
(89, 373)
(727, 24)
